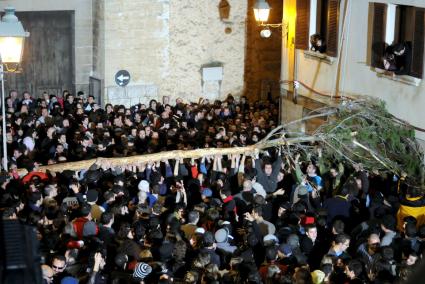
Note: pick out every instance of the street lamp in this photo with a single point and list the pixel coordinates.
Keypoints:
(261, 11)
(261, 14)
(12, 37)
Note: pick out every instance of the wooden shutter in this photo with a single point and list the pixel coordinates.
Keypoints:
(418, 44)
(302, 24)
(378, 34)
(332, 28)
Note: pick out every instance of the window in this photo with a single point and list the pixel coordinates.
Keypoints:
(318, 18)
(322, 18)
(394, 26)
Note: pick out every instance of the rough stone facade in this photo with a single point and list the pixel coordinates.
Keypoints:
(164, 43)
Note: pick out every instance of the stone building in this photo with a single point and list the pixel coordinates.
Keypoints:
(187, 49)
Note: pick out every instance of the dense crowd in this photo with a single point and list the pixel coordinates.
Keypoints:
(260, 217)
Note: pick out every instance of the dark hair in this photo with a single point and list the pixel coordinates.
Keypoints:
(125, 228)
(179, 251)
(309, 226)
(258, 210)
(226, 192)
(389, 222)
(213, 214)
(139, 230)
(410, 230)
(106, 217)
(410, 219)
(299, 207)
(349, 187)
(267, 161)
(51, 210)
(341, 238)
(259, 199)
(315, 38)
(193, 216)
(355, 266)
(59, 257)
(399, 47)
(34, 197)
(387, 253)
(85, 209)
(381, 267)
(208, 239)
(33, 218)
(108, 194)
(338, 226)
(327, 268)
(302, 275)
(250, 173)
(271, 253)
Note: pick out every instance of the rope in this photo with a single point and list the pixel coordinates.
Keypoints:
(313, 90)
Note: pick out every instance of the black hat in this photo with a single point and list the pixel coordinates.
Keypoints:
(92, 195)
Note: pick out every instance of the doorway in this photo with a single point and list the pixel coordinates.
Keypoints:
(48, 58)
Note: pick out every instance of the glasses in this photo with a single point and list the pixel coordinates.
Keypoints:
(57, 267)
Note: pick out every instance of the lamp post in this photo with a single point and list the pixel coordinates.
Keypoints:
(12, 37)
(261, 11)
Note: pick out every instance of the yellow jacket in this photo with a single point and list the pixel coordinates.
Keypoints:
(405, 210)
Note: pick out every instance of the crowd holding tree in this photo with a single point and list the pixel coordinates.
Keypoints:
(284, 214)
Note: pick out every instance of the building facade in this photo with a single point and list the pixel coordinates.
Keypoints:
(357, 33)
(187, 49)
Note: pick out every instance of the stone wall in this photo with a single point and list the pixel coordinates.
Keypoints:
(136, 37)
(197, 37)
(164, 43)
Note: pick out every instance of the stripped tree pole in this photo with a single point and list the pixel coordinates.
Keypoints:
(356, 131)
(170, 155)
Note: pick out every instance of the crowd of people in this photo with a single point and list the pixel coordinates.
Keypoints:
(260, 217)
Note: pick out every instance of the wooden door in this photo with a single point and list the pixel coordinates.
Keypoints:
(48, 59)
